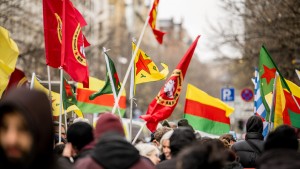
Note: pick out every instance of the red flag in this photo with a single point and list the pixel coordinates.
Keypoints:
(152, 22)
(69, 54)
(73, 43)
(166, 100)
(17, 79)
(52, 12)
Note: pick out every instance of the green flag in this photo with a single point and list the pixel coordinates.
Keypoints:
(68, 95)
(267, 71)
(107, 89)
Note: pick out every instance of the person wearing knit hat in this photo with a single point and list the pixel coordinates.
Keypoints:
(250, 149)
(111, 150)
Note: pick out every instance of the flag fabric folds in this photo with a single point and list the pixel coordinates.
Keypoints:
(52, 17)
(206, 113)
(73, 44)
(267, 70)
(164, 103)
(107, 88)
(102, 103)
(9, 55)
(152, 22)
(286, 110)
(55, 100)
(65, 48)
(259, 108)
(69, 99)
(17, 79)
(146, 70)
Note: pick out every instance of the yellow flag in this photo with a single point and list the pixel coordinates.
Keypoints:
(55, 100)
(146, 70)
(279, 103)
(9, 54)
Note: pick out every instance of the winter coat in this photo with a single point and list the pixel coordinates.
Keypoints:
(167, 164)
(250, 149)
(113, 152)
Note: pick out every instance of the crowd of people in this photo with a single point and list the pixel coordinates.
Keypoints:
(29, 139)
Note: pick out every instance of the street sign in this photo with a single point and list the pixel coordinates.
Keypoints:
(227, 94)
(247, 94)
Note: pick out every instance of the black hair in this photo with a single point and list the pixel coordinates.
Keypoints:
(181, 138)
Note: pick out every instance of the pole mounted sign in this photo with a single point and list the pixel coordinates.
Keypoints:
(227, 94)
(247, 94)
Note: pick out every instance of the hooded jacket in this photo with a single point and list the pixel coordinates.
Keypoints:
(35, 107)
(112, 151)
(105, 123)
(250, 149)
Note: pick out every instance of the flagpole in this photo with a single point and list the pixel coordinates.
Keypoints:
(132, 61)
(272, 105)
(60, 104)
(49, 84)
(111, 82)
(49, 81)
(139, 133)
(131, 101)
(66, 124)
(32, 81)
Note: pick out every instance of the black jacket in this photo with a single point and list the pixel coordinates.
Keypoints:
(246, 153)
(167, 164)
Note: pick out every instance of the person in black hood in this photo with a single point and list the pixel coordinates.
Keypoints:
(250, 149)
(112, 150)
(26, 130)
(280, 149)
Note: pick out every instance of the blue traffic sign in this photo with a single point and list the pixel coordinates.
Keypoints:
(247, 95)
(227, 94)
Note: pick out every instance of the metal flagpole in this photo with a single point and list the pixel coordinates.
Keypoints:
(111, 81)
(131, 61)
(138, 134)
(49, 82)
(49, 85)
(32, 81)
(60, 104)
(131, 101)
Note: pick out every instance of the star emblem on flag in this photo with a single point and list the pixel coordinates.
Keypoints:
(142, 64)
(269, 74)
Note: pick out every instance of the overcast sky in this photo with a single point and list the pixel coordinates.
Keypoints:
(198, 16)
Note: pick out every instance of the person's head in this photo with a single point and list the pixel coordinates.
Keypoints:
(254, 124)
(26, 129)
(199, 156)
(181, 138)
(159, 134)
(165, 144)
(150, 151)
(108, 122)
(173, 125)
(80, 134)
(185, 123)
(63, 130)
(228, 137)
(283, 137)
